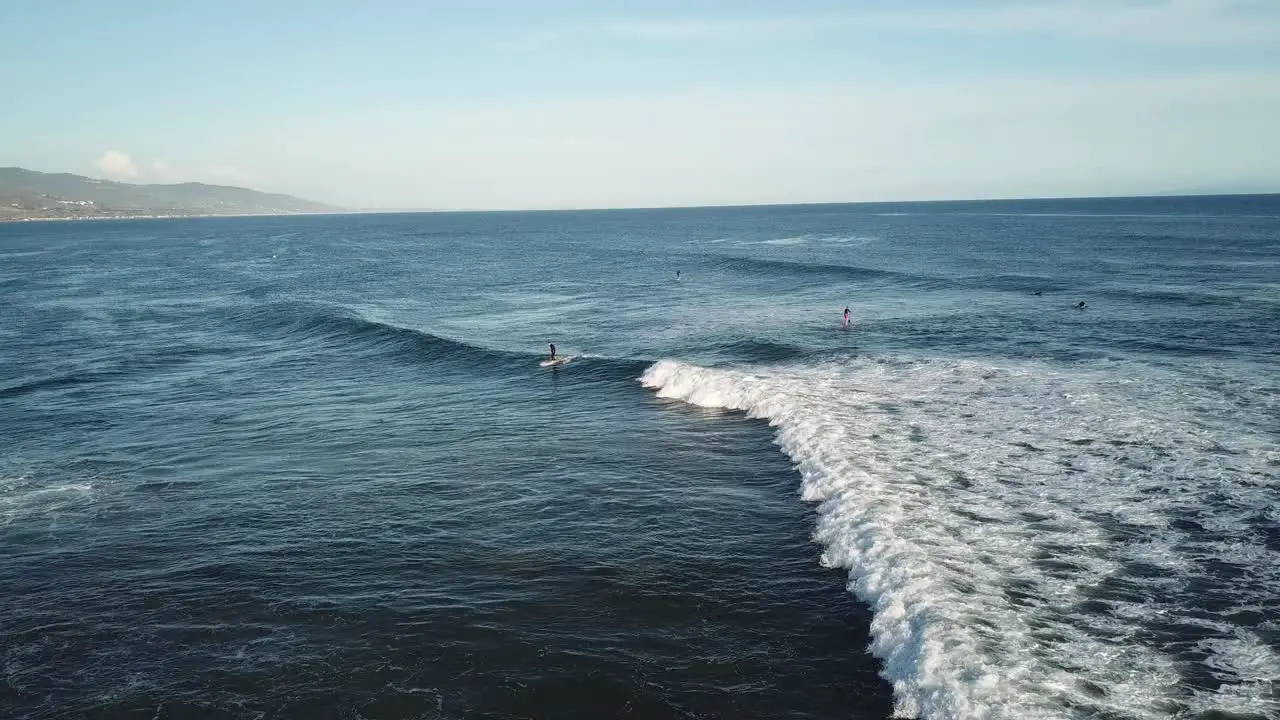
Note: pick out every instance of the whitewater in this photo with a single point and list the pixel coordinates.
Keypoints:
(1038, 540)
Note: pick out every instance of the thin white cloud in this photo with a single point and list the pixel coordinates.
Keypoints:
(1182, 22)
(1162, 21)
(679, 30)
(116, 165)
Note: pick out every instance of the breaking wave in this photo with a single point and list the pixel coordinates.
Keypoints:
(1037, 540)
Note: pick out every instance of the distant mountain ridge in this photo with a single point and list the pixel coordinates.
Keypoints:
(30, 195)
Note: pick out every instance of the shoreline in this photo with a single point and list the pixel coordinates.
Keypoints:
(183, 216)
(934, 203)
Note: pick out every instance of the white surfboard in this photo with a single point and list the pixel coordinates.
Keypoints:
(557, 362)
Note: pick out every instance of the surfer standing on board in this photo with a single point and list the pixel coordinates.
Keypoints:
(846, 316)
(553, 351)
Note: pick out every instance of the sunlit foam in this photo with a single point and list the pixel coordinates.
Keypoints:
(23, 497)
(1034, 540)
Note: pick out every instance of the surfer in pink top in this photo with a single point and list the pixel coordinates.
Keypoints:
(846, 316)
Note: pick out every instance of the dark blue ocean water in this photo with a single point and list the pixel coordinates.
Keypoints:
(310, 467)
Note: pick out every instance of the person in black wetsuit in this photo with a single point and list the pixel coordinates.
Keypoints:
(553, 350)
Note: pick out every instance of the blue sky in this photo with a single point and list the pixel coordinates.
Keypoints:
(514, 104)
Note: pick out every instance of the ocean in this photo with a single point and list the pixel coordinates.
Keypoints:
(310, 467)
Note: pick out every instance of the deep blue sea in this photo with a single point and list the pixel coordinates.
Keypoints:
(310, 467)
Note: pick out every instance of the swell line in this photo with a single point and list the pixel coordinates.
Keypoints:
(347, 331)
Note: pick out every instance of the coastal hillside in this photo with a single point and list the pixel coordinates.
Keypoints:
(30, 195)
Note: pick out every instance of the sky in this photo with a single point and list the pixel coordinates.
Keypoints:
(504, 104)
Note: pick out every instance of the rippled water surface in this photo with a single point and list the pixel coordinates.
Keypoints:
(311, 467)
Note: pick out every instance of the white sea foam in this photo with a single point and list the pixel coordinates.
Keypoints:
(1034, 539)
(852, 240)
(22, 497)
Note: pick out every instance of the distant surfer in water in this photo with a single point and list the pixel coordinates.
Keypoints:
(846, 316)
(553, 351)
(677, 274)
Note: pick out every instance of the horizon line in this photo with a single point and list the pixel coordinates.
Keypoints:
(612, 208)
(393, 211)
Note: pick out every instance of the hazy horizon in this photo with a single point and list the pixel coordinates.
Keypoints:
(573, 105)
(1195, 192)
